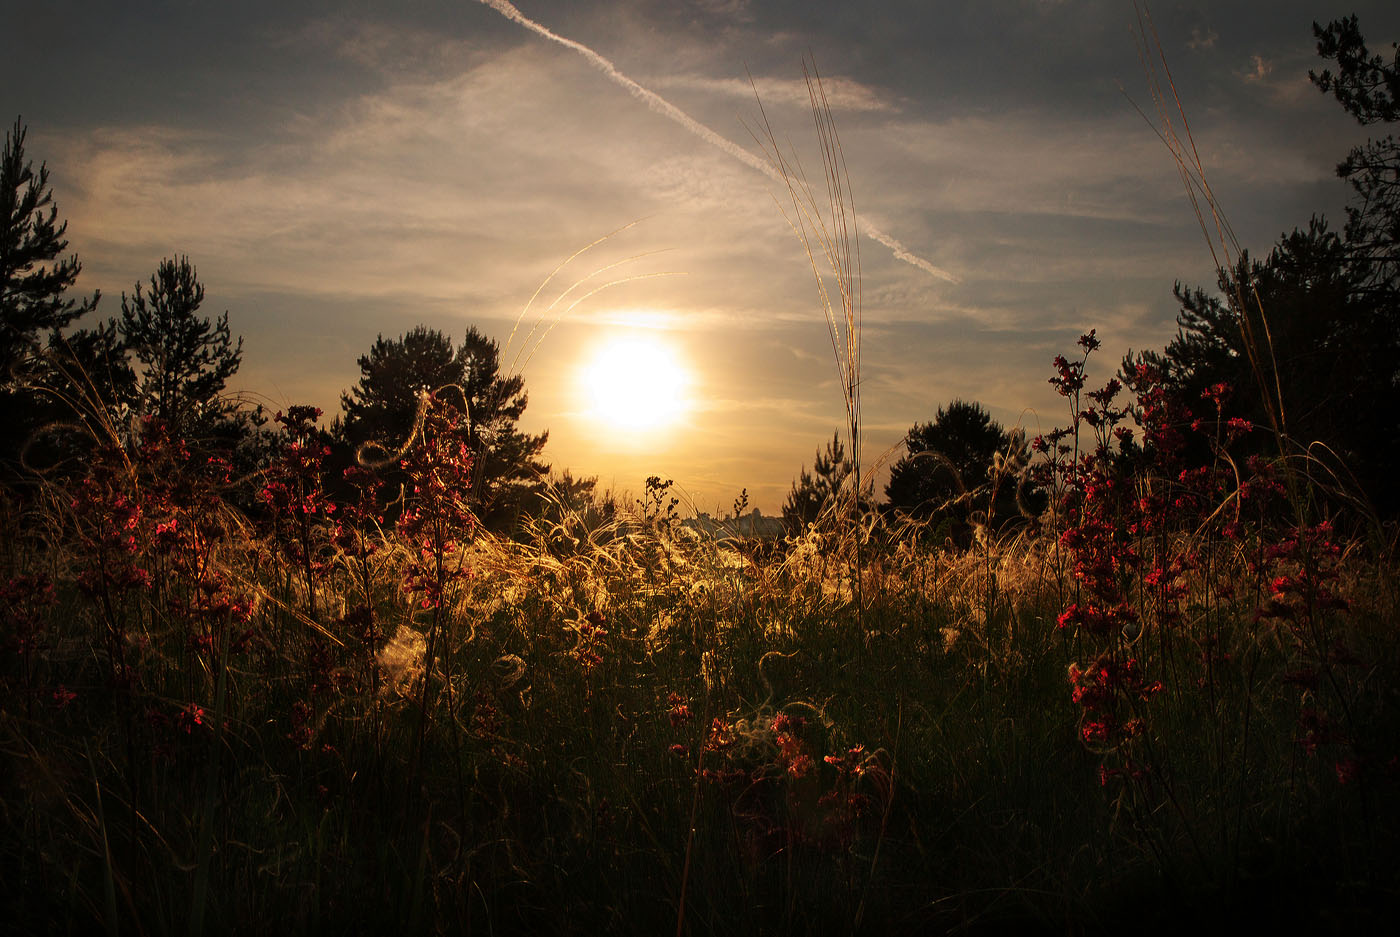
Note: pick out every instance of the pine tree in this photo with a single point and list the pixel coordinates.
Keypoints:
(814, 493)
(951, 464)
(381, 409)
(1368, 88)
(182, 361)
(33, 277)
(1329, 371)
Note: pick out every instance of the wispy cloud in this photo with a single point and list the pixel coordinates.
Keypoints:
(737, 10)
(843, 94)
(671, 112)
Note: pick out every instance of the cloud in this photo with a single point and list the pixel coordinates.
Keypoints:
(668, 110)
(1202, 40)
(843, 94)
(446, 177)
(1258, 71)
(1282, 79)
(1029, 162)
(735, 10)
(394, 49)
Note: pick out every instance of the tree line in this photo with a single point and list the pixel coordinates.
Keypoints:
(161, 360)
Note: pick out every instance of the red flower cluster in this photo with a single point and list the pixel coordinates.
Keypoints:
(437, 517)
(791, 755)
(590, 632)
(677, 710)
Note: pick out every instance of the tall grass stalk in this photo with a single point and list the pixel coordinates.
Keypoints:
(826, 228)
(1219, 236)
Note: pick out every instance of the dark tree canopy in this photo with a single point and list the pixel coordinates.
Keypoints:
(393, 376)
(1309, 313)
(1368, 88)
(182, 361)
(950, 464)
(382, 406)
(1332, 358)
(831, 479)
(33, 276)
(1309, 338)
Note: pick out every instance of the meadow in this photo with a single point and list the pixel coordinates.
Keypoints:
(1170, 698)
(1163, 693)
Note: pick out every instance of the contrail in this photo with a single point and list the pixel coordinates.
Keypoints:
(665, 108)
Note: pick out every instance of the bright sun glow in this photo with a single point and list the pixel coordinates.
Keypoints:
(635, 384)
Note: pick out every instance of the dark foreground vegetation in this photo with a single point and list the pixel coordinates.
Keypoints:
(1172, 697)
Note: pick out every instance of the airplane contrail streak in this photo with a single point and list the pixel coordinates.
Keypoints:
(665, 108)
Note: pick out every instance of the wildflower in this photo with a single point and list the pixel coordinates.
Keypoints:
(679, 710)
(791, 725)
(190, 717)
(63, 696)
(1068, 617)
(486, 719)
(790, 754)
(1070, 379)
(720, 736)
(800, 765)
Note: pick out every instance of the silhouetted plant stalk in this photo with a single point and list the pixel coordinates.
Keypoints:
(829, 232)
(435, 524)
(358, 536)
(295, 494)
(545, 322)
(24, 600)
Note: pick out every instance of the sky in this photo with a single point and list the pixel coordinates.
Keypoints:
(584, 181)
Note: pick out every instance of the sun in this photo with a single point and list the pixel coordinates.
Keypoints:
(635, 384)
